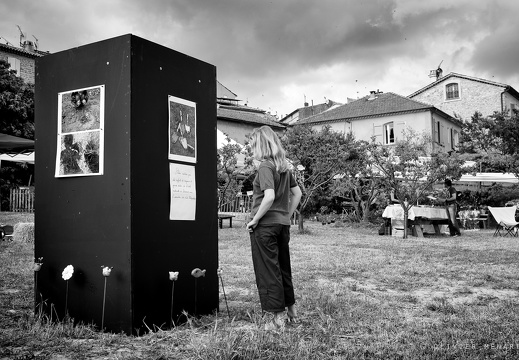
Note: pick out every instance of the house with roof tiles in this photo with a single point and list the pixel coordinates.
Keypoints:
(385, 116)
(461, 96)
(236, 120)
(21, 59)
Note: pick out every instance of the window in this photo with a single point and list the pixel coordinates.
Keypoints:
(389, 133)
(15, 64)
(452, 91)
(513, 108)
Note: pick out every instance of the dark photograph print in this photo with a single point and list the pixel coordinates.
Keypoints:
(80, 154)
(81, 109)
(182, 129)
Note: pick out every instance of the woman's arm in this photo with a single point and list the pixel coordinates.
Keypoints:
(294, 200)
(266, 203)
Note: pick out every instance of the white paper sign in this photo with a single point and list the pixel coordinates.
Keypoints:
(183, 192)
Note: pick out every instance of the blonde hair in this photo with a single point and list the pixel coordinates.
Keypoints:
(266, 145)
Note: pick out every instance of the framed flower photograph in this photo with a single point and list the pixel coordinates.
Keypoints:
(182, 129)
(80, 138)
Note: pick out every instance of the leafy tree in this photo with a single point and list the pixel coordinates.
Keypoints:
(230, 176)
(16, 104)
(317, 156)
(411, 167)
(477, 135)
(492, 141)
(359, 186)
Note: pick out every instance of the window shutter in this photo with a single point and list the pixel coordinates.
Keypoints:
(15, 64)
(442, 134)
(377, 133)
(399, 130)
(435, 131)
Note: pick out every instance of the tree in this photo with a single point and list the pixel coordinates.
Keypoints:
(492, 141)
(16, 104)
(359, 185)
(411, 167)
(227, 172)
(506, 130)
(317, 156)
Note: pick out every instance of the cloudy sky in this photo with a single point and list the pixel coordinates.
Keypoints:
(274, 54)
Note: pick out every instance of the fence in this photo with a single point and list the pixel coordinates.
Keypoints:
(21, 200)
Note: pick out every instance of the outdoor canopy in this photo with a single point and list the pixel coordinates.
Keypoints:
(14, 145)
(13, 148)
(490, 178)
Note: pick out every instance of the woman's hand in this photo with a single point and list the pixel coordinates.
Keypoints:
(251, 225)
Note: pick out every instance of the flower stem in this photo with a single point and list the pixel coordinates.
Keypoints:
(66, 300)
(35, 289)
(225, 297)
(195, 295)
(103, 316)
(172, 294)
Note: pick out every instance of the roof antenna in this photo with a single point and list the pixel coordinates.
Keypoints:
(22, 36)
(36, 43)
(6, 41)
(437, 73)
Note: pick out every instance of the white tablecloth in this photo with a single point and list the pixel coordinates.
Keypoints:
(427, 212)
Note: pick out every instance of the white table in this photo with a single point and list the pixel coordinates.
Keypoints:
(420, 215)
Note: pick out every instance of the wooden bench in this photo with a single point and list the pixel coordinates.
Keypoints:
(419, 221)
(222, 217)
(474, 223)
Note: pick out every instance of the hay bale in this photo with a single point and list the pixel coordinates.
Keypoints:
(24, 232)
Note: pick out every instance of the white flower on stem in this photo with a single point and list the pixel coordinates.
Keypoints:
(67, 272)
(106, 270)
(197, 273)
(219, 271)
(173, 275)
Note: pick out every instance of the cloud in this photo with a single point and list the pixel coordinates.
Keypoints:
(273, 53)
(497, 54)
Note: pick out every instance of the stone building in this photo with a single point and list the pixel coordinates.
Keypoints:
(22, 58)
(461, 96)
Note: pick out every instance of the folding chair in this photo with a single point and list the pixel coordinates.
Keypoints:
(505, 219)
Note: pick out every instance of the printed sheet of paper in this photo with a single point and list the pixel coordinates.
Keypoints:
(183, 192)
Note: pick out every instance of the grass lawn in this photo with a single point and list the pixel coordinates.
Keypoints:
(360, 296)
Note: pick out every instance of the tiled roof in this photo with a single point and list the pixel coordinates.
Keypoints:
(383, 104)
(247, 117)
(21, 51)
(242, 108)
(450, 75)
(303, 111)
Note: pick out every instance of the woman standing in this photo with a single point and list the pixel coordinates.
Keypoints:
(275, 198)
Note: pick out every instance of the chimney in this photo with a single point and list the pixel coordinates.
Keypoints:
(372, 95)
(28, 45)
(439, 73)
